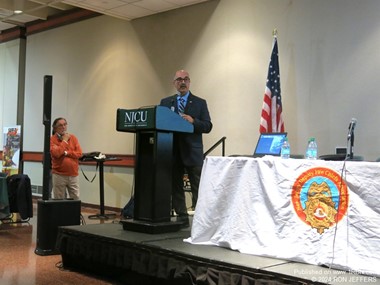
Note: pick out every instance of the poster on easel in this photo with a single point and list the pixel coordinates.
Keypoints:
(11, 150)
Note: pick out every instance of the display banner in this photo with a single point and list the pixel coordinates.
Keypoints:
(11, 150)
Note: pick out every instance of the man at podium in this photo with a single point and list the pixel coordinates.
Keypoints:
(188, 147)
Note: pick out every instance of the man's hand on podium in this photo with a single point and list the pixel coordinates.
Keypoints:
(188, 118)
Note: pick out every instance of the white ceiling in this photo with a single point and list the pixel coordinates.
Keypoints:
(42, 9)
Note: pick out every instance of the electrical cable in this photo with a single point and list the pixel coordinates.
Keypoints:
(342, 177)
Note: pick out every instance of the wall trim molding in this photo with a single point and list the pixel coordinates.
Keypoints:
(126, 160)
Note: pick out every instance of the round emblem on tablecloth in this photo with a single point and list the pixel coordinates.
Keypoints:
(320, 198)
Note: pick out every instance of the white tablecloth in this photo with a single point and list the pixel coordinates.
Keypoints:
(255, 206)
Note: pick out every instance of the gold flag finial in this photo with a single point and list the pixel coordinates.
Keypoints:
(274, 33)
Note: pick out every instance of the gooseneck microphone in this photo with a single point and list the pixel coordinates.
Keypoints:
(351, 128)
(350, 137)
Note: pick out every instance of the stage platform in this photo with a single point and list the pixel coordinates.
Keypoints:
(138, 258)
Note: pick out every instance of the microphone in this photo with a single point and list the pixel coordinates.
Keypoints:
(172, 107)
(351, 128)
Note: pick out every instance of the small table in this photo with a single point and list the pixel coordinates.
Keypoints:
(100, 163)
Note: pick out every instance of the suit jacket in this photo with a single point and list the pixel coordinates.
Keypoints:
(188, 147)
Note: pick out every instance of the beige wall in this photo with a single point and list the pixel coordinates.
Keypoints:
(8, 84)
(328, 63)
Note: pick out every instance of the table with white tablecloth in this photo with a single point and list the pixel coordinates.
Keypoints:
(312, 211)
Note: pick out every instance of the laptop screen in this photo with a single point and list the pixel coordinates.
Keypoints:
(269, 144)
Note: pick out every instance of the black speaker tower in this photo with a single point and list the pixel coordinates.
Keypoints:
(51, 214)
(46, 120)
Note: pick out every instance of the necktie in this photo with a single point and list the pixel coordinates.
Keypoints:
(181, 106)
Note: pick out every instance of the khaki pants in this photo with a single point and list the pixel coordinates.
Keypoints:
(61, 183)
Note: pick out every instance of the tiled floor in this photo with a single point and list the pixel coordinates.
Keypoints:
(19, 265)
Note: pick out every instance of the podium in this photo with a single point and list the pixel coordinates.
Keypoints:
(154, 128)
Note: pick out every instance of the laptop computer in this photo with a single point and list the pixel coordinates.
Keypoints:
(269, 144)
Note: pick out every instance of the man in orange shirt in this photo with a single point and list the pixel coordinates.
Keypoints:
(65, 153)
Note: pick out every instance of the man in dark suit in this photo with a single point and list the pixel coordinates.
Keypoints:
(188, 147)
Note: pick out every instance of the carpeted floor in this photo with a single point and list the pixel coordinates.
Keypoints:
(19, 265)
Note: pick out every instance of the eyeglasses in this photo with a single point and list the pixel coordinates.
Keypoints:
(180, 79)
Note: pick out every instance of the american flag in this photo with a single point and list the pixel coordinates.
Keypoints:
(271, 114)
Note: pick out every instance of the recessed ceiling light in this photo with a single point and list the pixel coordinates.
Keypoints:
(17, 11)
